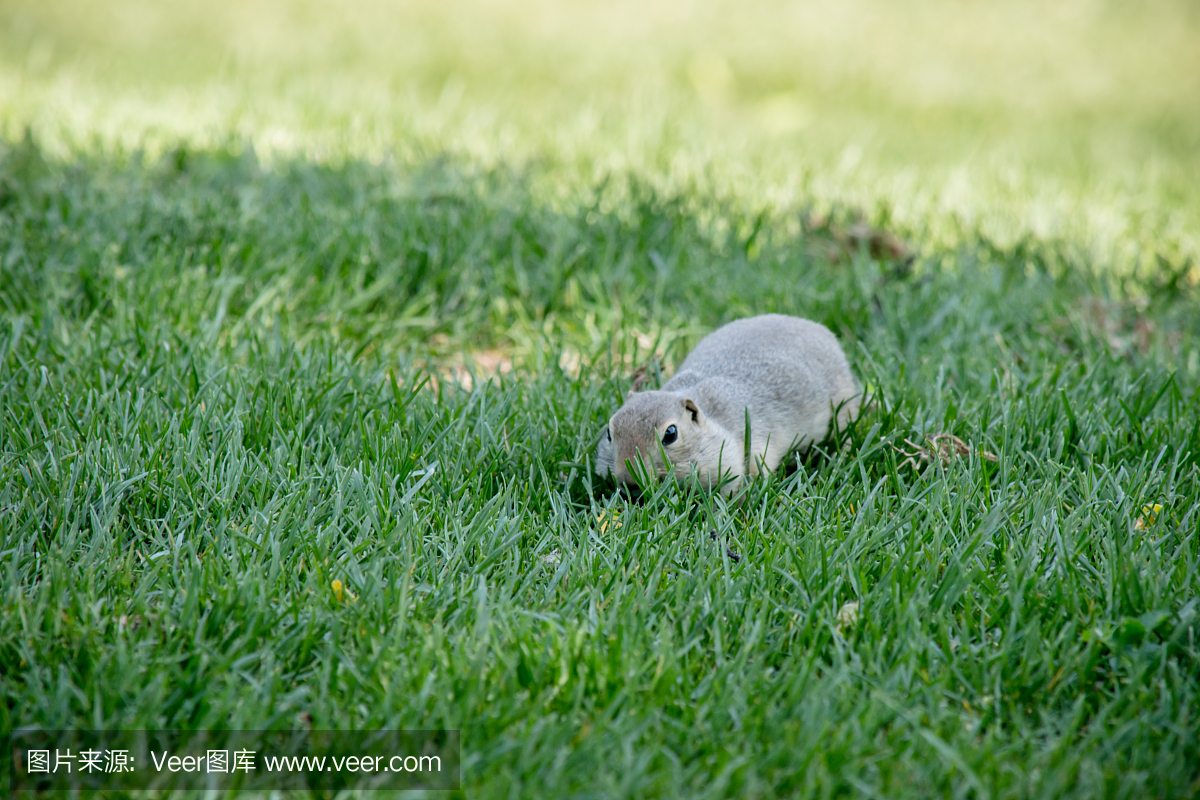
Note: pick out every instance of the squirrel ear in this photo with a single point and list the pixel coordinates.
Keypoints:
(692, 409)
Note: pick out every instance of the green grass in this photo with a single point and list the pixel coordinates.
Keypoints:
(1067, 120)
(209, 415)
(245, 255)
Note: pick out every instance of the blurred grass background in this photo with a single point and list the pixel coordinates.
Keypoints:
(1067, 120)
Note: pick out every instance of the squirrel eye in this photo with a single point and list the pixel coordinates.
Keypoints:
(670, 435)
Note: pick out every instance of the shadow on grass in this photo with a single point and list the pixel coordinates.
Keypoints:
(380, 255)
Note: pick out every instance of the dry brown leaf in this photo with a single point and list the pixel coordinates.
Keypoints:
(484, 363)
(942, 446)
(638, 379)
(879, 243)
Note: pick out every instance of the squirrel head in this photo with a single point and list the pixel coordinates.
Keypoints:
(661, 431)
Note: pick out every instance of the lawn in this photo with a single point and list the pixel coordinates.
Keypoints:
(310, 318)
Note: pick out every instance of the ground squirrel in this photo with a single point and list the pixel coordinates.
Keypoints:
(789, 374)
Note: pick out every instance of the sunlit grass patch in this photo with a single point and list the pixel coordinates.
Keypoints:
(1017, 119)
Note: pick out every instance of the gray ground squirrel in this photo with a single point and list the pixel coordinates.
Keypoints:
(790, 373)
